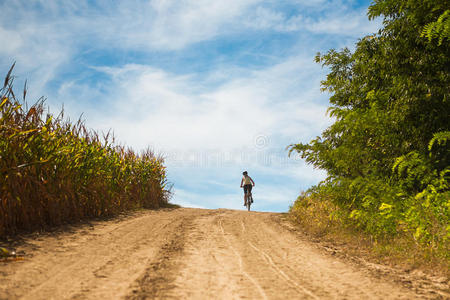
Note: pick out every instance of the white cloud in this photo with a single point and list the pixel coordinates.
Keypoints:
(13, 44)
(347, 24)
(44, 37)
(277, 186)
(179, 23)
(208, 133)
(168, 25)
(148, 106)
(264, 18)
(39, 46)
(186, 198)
(236, 116)
(335, 18)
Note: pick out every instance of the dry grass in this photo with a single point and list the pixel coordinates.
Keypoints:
(56, 172)
(326, 222)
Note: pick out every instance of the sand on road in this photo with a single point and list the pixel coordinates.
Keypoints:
(189, 254)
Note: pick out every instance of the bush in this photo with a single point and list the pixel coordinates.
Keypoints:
(387, 153)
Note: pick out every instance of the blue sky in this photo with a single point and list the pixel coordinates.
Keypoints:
(216, 87)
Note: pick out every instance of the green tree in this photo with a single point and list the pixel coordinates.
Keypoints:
(387, 152)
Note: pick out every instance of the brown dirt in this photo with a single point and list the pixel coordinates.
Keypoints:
(196, 254)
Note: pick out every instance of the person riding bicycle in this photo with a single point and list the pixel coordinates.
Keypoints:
(247, 183)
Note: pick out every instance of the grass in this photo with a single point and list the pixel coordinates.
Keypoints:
(56, 172)
(322, 219)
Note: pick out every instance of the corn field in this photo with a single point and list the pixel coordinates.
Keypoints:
(55, 172)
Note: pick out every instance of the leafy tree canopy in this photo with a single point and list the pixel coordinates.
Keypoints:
(390, 101)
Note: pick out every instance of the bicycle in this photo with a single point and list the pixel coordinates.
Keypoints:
(249, 201)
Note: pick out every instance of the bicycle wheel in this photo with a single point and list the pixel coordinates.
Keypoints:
(249, 202)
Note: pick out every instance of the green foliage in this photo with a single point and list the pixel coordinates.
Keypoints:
(439, 29)
(387, 153)
(54, 171)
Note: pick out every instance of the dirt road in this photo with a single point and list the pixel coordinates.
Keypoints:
(189, 254)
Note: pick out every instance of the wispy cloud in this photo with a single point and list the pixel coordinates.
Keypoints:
(217, 86)
(48, 37)
(213, 133)
(149, 106)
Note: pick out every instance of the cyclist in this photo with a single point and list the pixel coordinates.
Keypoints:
(247, 183)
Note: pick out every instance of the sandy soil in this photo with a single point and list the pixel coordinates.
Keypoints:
(194, 254)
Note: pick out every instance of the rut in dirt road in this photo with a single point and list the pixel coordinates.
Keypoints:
(191, 254)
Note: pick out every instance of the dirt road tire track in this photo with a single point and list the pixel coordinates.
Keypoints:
(158, 276)
(191, 254)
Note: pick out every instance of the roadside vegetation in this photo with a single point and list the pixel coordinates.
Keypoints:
(388, 152)
(54, 171)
